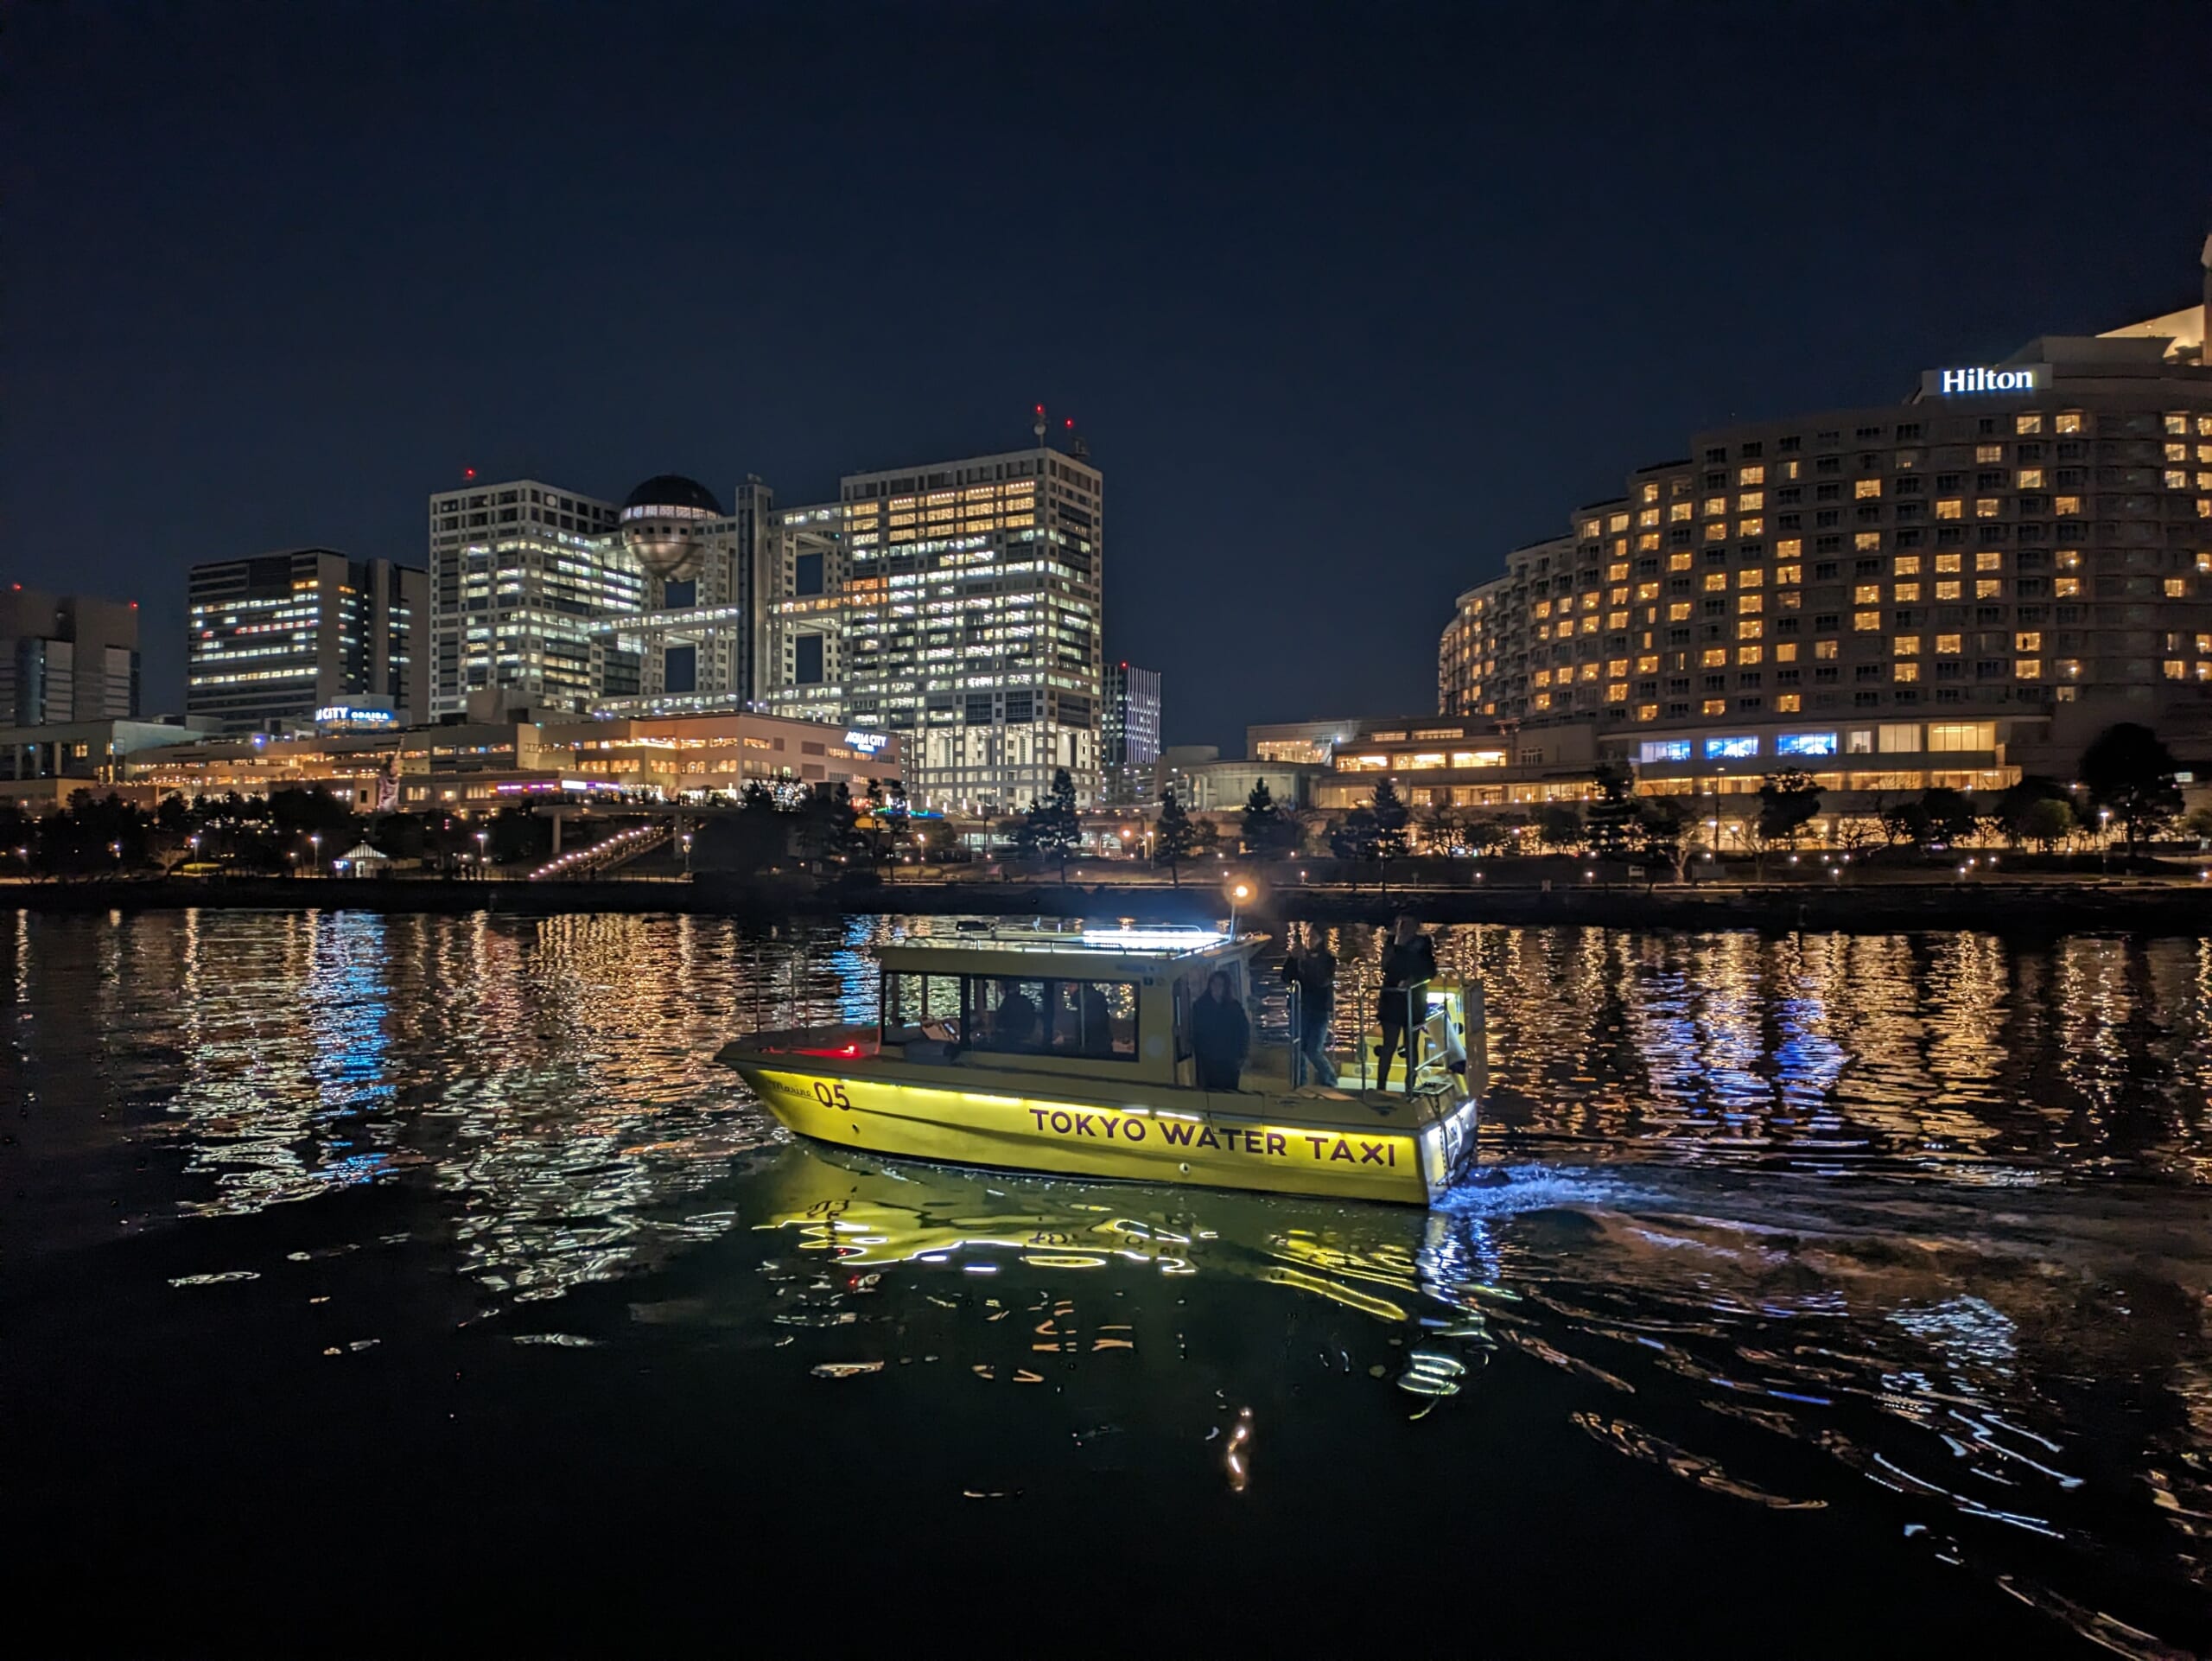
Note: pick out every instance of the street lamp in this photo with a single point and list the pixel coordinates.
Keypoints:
(483, 837)
(1239, 892)
(315, 842)
(687, 853)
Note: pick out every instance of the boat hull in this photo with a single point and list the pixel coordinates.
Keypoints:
(1242, 1140)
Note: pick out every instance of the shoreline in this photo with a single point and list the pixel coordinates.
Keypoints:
(2137, 906)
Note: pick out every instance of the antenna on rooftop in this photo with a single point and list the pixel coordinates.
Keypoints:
(1038, 427)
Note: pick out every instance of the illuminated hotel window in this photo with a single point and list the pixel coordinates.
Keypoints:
(2176, 480)
(1679, 562)
(2068, 558)
(1715, 506)
(1647, 712)
(1751, 629)
(1867, 593)
(1649, 492)
(1907, 565)
(1750, 579)
(2027, 640)
(1750, 475)
(1904, 671)
(1786, 574)
(1647, 591)
(1750, 501)
(1789, 548)
(1985, 507)
(2032, 478)
(2069, 422)
(1950, 590)
(1590, 527)
(1905, 646)
(1788, 703)
(1946, 645)
(2067, 508)
(1618, 521)
(2028, 668)
(1677, 512)
(1542, 700)
(1714, 707)
(1648, 542)
(1614, 620)
(1989, 559)
(1906, 593)
(1867, 489)
(2177, 424)
(1717, 532)
(2027, 423)
(1715, 580)
(1866, 622)
(1825, 649)
(1989, 588)
(1748, 603)
(1786, 653)
(2177, 588)
(1715, 657)
(1867, 542)
(1616, 691)
(1749, 655)
(1647, 519)
(1751, 528)
(1678, 612)
(1947, 508)
(2177, 452)
(1617, 574)
(1986, 453)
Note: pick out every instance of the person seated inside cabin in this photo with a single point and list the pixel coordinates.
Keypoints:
(1014, 1026)
(1097, 1020)
(1220, 1033)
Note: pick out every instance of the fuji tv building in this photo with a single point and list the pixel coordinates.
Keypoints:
(1957, 589)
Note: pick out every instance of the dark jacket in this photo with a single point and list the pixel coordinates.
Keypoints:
(1407, 964)
(1314, 974)
(1220, 1032)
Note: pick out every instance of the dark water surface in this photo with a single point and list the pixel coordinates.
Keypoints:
(389, 1284)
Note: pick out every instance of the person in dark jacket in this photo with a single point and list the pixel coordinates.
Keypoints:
(1409, 964)
(1313, 972)
(1220, 1033)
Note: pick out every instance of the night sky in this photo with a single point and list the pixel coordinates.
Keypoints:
(1346, 303)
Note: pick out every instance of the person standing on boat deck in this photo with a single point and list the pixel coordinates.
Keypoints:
(1014, 1027)
(1313, 972)
(1220, 1033)
(1409, 964)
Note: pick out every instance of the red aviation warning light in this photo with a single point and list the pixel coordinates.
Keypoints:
(468, 473)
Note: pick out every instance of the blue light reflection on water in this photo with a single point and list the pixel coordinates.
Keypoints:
(1678, 1254)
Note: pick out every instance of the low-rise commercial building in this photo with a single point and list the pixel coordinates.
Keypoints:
(41, 766)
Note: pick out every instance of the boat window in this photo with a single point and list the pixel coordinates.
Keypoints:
(1182, 1020)
(1006, 1014)
(917, 999)
(1095, 1018)
(1015, 1015)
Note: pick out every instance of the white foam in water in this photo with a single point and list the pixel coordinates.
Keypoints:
(1535, 1187)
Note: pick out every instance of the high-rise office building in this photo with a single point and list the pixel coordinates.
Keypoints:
(66, 656)
(694, 640)
(1129, 734)
(520, 574)
(959, 606)
(272, 639)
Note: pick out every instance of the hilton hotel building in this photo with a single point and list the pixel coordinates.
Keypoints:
(1950, 590)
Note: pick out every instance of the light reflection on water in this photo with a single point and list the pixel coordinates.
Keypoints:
(1905, 1229)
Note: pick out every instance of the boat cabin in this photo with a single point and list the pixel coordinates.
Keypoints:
(1102, 1003)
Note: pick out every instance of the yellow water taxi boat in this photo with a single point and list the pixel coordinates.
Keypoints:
(1071, 1052)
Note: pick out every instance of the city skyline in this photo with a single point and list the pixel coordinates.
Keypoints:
(1424, 371)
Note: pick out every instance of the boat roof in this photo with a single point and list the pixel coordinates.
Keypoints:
(1156, 944)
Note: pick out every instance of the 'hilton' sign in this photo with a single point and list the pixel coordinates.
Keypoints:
(2019, 378)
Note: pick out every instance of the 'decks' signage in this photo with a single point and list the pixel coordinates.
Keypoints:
(1984, 378)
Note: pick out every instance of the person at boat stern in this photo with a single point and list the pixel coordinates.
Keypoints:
(1409, 964)
(1313, 971)
(1220, 1034)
